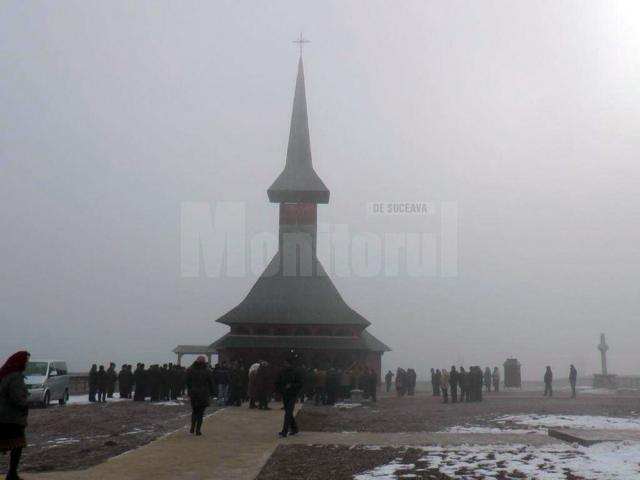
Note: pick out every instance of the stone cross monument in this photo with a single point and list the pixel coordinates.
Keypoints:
(603, 347)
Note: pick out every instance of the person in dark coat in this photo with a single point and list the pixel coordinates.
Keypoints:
(93, 382)
(333, 386)
(14, 409)
(103, 382)
(122, 381)
(463, 379)
(200, 387)
(112, 377)
(236, 381)
(454, 380)
(140, 380)
(401, 382)
(388, 380)
(288, 385)
(411, 381)
(573, 379)
(221, 378)
(548, 380)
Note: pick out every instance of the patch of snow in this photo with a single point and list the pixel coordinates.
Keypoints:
(347, 405)
(604, 461)
(84, 399)
(571, 421)
(384, 472)
(170, 403)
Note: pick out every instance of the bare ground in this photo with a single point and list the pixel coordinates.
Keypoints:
(292, 462)
(425, 413)
(78, 436)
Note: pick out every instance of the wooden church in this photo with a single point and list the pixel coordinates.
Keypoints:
(294, 305)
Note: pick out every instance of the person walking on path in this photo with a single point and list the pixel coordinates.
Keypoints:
(573, 378)
(200, 388)
(14, 410)
(548, 380)
(288, 385)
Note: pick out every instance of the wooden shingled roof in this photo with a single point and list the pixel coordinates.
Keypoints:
(277, 298)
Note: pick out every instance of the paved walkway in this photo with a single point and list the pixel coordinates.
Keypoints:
(237, 442)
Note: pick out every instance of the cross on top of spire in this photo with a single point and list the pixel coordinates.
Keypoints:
(301, 41)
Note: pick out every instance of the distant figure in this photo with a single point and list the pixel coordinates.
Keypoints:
(573, 378)
(496, 379)
(122, 382)
(444, 385)
(369, 383)
(103, 381)
(200, 388)
(112, 377)
(411, 381)
(463, 381)
(487, 379)
(401, 382)
(253, 374)
(320, 386)
(140, 380)
(454, 380)
(438, 382)
(388, 380)
(333, 386)
(93, 382)
(221, 377)
(435, 385)
(14, 409)
(264, 386)
(548, 380)
(288, 385)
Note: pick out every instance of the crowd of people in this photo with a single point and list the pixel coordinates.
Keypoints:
(158, 383)
(462, 385)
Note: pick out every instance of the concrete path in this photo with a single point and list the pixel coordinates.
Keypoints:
(235, 444)
(588, 437)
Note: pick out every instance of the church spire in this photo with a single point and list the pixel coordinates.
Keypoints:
(299, 182)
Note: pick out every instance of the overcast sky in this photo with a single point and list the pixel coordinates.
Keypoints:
(525, 114)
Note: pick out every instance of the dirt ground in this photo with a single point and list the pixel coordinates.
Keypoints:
(425, 413)
(291, 462)
(78, 436)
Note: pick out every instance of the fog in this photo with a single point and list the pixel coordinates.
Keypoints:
(524, 114)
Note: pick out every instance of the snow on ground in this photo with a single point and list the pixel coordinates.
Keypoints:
(84, 400)
(347, 405)
(570, 421)
(604, 461)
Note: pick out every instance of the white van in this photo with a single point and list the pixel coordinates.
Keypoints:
(47, 381)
